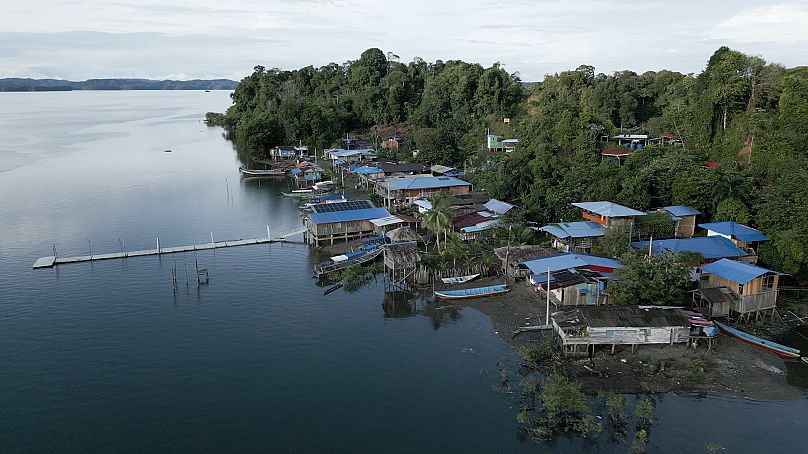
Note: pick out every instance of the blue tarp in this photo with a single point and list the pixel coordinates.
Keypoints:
(352, 255)
(296, 171)
(739, 231)
(735, 271)
(710, 247)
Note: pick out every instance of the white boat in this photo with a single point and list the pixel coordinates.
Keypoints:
(299, 193)
(459, 279)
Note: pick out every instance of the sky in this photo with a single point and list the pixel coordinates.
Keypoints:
(186, 39)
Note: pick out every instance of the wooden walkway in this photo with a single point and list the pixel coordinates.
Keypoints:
(51, 261)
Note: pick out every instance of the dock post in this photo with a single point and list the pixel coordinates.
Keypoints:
(269, 236)
(211, 239)
(158, 244)
(90, 247)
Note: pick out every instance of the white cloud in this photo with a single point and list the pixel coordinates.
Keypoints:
(783, 24)
(202, 38)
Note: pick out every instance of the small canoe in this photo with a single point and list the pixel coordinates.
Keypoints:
(477, 292)
(459, 279)
(299, 193)
(261, 173)
(773, 347)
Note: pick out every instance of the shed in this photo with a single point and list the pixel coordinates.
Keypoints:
(607, 213)
(754, 289)
(684, 218)
(513, 258)
(578, 236)
(590, 326)
(743, 236)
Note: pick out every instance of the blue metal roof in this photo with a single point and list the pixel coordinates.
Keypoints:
(424, 183)
(732, 228)
(348, 216)
(498, 206)
(569, 260)
(681, 210)
(295, 171)
(732, 270)
(710, 247)
(582, 229)
(337, 153)
(368, 170)
(609, 209)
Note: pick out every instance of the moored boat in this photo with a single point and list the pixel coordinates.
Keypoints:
(472, 292)
(261, 173)
(773, 347)
(299, 193)
(459, 279)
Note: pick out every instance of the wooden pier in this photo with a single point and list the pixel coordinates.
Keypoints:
(53, 260)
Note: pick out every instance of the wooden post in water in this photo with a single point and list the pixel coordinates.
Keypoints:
(211, 239)
(158, 245)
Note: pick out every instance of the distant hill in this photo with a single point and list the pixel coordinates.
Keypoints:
(17, 84)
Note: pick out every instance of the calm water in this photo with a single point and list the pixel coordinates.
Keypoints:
(106, 356)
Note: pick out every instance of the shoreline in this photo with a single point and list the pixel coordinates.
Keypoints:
(731, 368)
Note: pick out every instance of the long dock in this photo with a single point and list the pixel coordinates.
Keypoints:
(53, 260)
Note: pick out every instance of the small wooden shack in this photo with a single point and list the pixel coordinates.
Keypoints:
(684, 218)
(752, 289)
(513, 258)
(743, 236)
(579, 330)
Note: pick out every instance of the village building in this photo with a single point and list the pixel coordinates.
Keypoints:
(684, 219)
(581, 329)
(402, 168)
(712, 248)
(738, 288)
(445, 171)
(405, 190)
(342, 156)
(573, 278)
(669, 140)
(607, 213)
(342, 221)
(635, 141)
(617, 155)
(393, 143)
(578, 236)
(513, 258)
(509, 145)
(744, 237)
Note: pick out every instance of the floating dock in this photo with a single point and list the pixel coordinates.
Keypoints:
(51, 261)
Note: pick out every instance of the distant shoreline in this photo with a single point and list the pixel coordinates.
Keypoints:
(39, 85)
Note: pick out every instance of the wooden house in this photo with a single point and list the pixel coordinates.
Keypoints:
(684, 219)
(711, 248)
(635, 141)
(344, 221)
(509, 145)
(283, 152)
(742, 236)
(573, 278)
(574, 236)
(752, 290)
(583, 328)
(608, 214)
(402, 168)
(405, 190)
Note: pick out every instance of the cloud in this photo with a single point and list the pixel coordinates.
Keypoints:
(782, 24)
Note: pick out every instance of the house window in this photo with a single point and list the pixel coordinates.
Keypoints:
(740, 289)
(768, 282)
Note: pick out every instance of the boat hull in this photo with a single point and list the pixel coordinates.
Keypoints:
(459, 279)
(472, 293)
(772, 347)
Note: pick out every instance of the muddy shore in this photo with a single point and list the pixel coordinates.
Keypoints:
(729, 368)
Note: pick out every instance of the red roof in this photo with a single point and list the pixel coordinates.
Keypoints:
(668, 135)
(468, 219)
(712, 164)
(616, 153)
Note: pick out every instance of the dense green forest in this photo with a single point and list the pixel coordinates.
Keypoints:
(740, 111)
(20, 84)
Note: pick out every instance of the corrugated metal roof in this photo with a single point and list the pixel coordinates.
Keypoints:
(498, 206)
(295, 171)
(732, 270)
(388, 220)
(732, 228)
(425, 204)
(348, 216)
(569, 260)
(632, 317)
(710, 247)
(681, 210)
(424, 183)
(368, 170)
(608, 209)
(581, 229)
(485, 225)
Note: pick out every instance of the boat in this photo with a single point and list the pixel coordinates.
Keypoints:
(299, 193)
(332, 289)
(459, 279)
(261, 173)
(473, 292)
(166, 151)
(773, 347)
(341, 262)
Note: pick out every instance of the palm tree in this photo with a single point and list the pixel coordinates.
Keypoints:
(439, 218)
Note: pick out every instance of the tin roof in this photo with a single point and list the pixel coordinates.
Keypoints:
(681, 210)
(622, 317)
(608, 209)
(498, 206)
(348, 216)
(424, 183)
(732, 228)
(710, 247)
(735, 271)
(365, 170)
(569, 260)
(581, 229)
